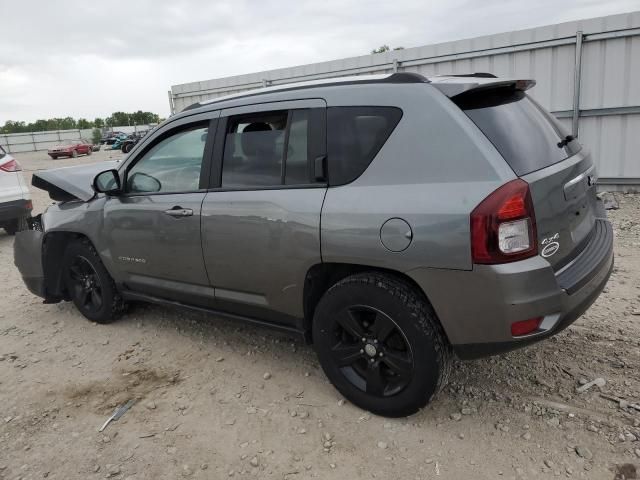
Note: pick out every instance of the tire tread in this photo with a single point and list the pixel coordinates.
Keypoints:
(420, 309)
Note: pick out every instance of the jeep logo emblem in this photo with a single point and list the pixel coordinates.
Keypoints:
(550, 249)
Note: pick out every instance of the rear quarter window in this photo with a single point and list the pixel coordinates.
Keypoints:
(354, 137)
(528, 137)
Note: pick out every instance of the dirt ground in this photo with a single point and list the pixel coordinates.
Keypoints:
(217, 399)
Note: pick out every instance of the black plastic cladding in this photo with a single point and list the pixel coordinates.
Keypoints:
(400, 77)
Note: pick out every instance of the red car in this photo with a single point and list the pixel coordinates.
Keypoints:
(70, 148)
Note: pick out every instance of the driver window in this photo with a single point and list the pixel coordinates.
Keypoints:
(172, 165)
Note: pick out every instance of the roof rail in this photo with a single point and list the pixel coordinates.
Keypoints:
(476, 74)
(398, 77)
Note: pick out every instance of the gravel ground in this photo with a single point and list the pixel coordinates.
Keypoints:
(217, 399)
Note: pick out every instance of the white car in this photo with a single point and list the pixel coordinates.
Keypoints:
(15, 199)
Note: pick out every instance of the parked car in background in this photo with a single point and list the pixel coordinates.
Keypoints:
(392, 220)
(127, 144)
(71, 148)
(111, 137)
(15, 199)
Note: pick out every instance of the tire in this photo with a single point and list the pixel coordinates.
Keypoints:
(74, 154)
(89, 152)
(17, 225)
(404, 359)
(89, 285)
(127, 147)
(54, 157)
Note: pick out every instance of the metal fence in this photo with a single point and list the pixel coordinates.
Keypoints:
(37, 141)
(587, 71)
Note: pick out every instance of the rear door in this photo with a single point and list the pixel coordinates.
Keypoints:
(261, 224)
(560, 173)
(153, 229)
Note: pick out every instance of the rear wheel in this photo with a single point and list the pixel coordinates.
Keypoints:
(89, 151)
(90, 286)
(16, 225)
(380, 344)
(127, 147)
(74, 153)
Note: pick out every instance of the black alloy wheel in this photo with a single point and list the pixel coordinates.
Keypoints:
(89, 285)
(85, 285)
(381, 344)
(371, 351)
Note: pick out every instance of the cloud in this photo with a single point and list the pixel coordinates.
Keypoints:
(88, 59)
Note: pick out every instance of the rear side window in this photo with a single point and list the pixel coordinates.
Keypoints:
(527, 136)
(269, 149)
(354, 137)
(253, 150)
(2, 152)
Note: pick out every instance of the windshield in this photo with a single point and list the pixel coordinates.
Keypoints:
(527, 136)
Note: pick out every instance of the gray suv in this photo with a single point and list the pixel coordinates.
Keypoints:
(394, 221)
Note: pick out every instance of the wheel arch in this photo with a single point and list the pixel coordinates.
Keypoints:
(320, 277)
(54, 245)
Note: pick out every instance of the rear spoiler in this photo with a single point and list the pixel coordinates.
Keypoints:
(453, 86)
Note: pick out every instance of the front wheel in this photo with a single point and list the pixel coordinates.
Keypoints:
(89, 285)
(89, 151)
(379, 342)
(74, 153)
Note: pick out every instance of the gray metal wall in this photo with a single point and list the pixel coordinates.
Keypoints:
(35, 141)
(38, 141)
(588, 75)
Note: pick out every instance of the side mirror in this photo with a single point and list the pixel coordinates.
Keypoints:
(143, 183)
(107, 182)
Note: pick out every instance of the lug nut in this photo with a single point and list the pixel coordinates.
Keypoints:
(364, 339)
(361, 351)
(380, 354)
(375, 340)
(372, 360)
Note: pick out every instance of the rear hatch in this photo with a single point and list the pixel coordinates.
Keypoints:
(560, 173)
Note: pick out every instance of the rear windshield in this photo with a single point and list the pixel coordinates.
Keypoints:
(527, 136)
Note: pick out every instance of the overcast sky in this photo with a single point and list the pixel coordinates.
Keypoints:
(88, 59)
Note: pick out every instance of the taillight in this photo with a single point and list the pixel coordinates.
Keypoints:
(11, 166)
(503, 226)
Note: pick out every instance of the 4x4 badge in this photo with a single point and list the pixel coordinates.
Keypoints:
(551, 245)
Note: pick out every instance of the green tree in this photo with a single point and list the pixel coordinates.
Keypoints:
(69, 123)
(96, 136)
(119, 119)
(385, 48)
(381, 49)
(83, 123)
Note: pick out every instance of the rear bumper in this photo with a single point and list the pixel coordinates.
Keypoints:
(477, 308)
(14, 209)
(27, 255)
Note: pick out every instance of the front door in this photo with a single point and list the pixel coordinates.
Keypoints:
(261, 225)
(153, 228)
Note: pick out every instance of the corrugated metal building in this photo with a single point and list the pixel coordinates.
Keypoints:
(588, 75)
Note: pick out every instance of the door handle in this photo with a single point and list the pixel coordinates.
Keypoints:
(179, 212)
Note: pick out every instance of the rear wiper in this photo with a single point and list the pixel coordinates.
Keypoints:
(566, 140)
